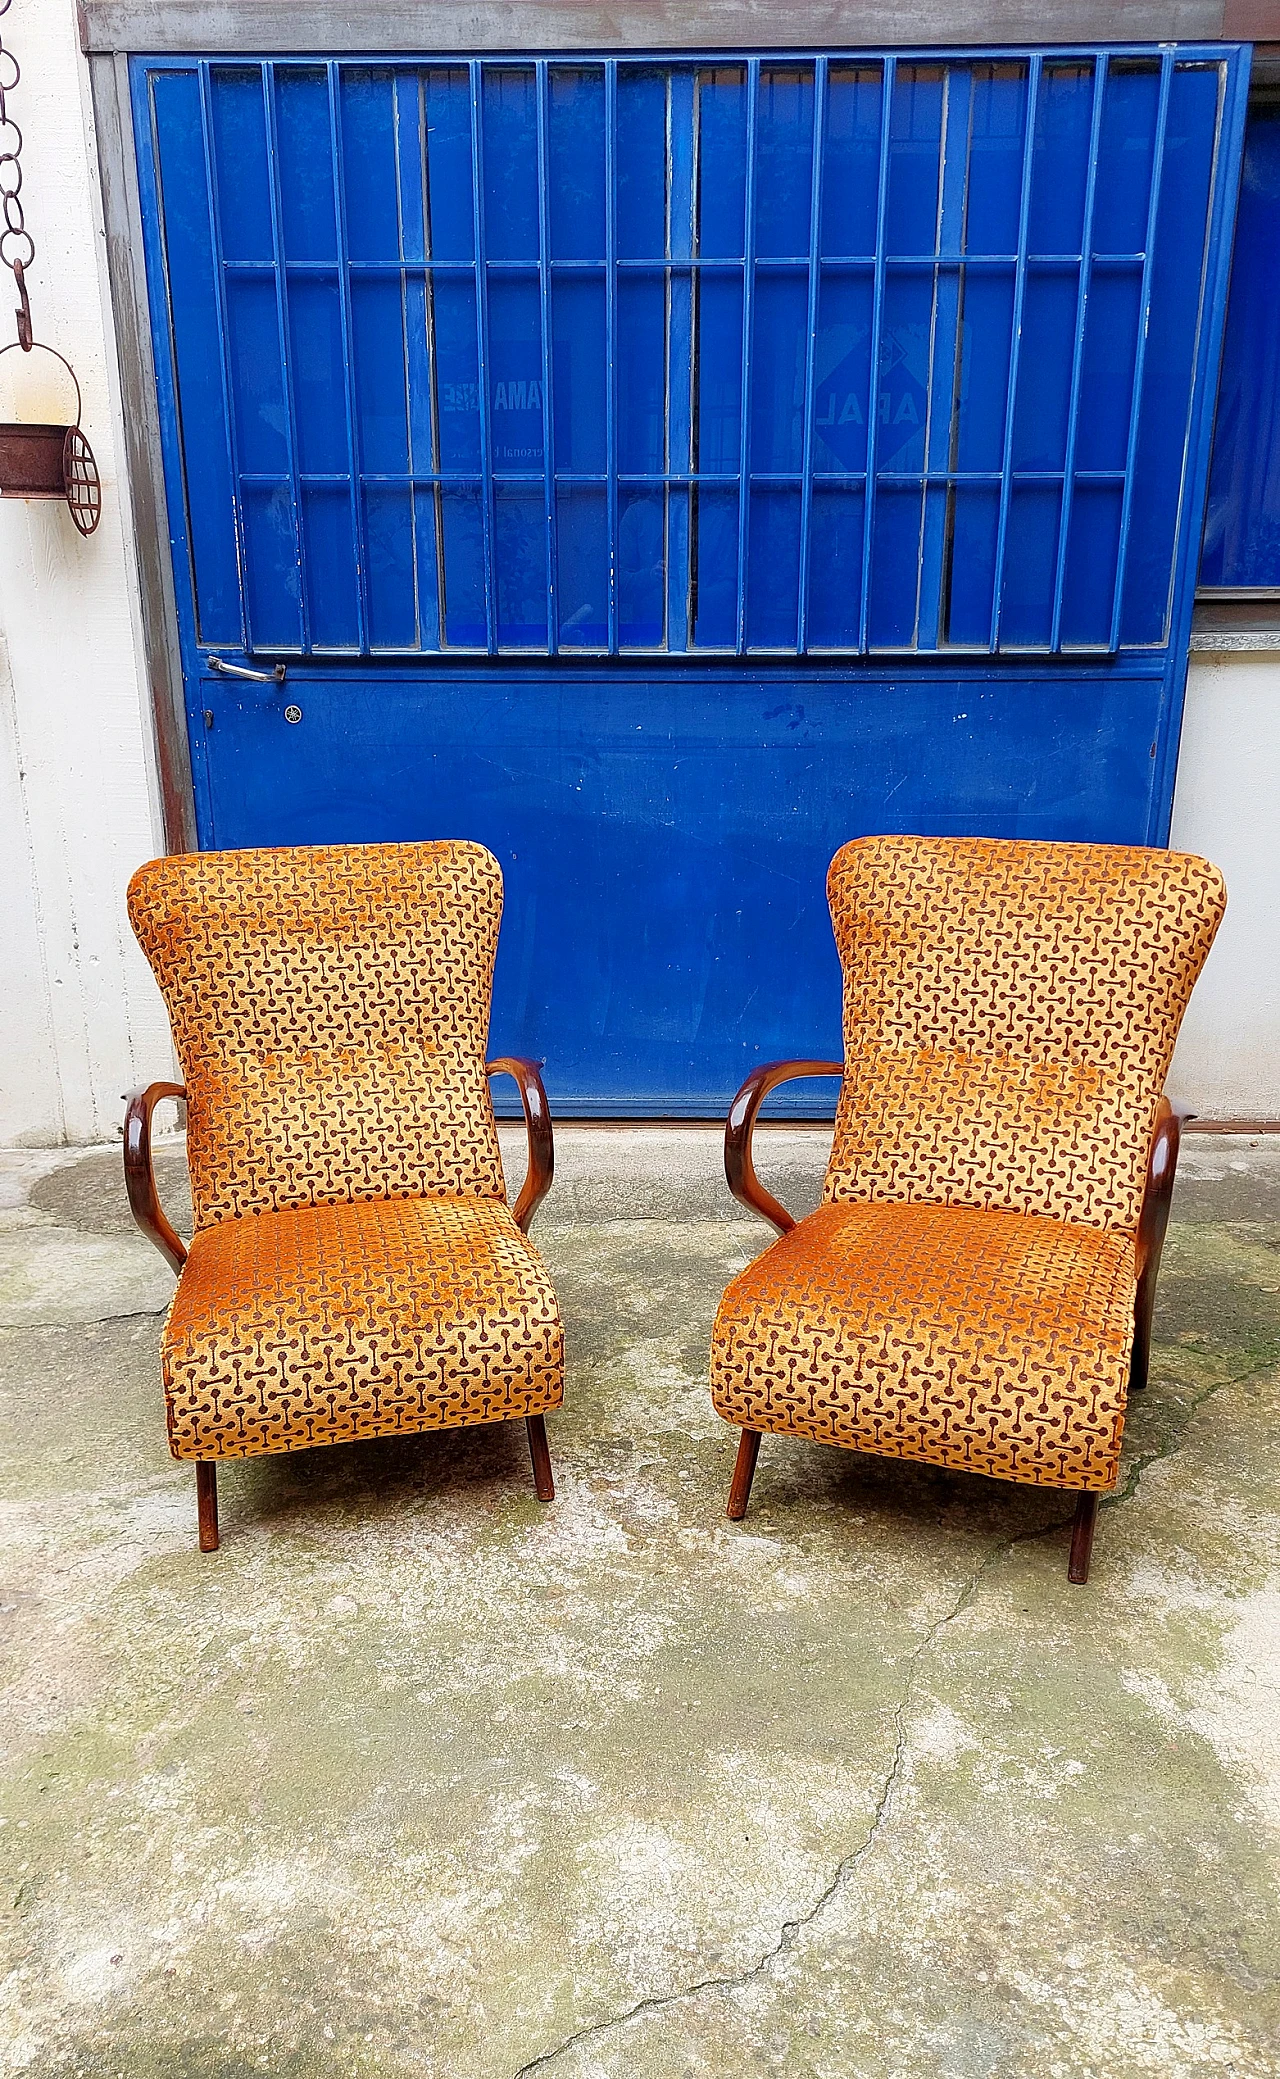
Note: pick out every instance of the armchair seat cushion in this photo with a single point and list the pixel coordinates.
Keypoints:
(324, 1323)
(993, 1342)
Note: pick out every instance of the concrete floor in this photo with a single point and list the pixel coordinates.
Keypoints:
(418, 1778)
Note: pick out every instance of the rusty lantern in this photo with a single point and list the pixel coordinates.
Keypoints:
(51, 461)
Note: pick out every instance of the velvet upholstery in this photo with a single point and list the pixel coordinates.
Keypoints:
(355, 1270)
(965, 1294)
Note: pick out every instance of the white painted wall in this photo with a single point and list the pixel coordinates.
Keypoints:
(80, 1019)
(1227, 806)
(79, 1016)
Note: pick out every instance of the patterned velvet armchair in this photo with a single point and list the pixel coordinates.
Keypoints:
(976, 1288)
(355, 1270)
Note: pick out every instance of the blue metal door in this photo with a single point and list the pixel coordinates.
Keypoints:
(663, 471)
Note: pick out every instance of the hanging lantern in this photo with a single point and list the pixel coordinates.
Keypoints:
(41, 461)
(36, 461)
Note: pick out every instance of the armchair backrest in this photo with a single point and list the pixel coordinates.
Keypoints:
(1010, 1010)
(330, 1008)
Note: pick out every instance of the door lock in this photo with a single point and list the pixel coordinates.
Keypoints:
(224, 670)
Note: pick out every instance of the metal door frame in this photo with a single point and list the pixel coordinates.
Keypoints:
(114, 30)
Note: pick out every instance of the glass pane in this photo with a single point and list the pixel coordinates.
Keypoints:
(451, 223)
(515, 377)
(1044, 368)
(1030, 565)
(722, 161)
(329, 550)
(835, 569)
(1090, 577)
(1060, 160)
(390, 565)
(1242, 531)
(576, 153)
(520, 561)
(582, 567)
(1126, 154)
(851, 160)
(642, 164)
(1106, 372)
(319, 376)
(641, 569)
(457, 384)
(578, 363)
(773, 568)
(784, 161)
(895, 567)
(305, 148)
(369, 164)
(842, 372)
(718, 381)
(986, 335)
(464, 619)
(714, 554)
(240, 156)
(510, 163)
(377, 326)
(915, 159)
(271, 567)
(998, 119)
(257, 381)
(974, 519)
(778, 371)
(1176, 288)
(642, 348)
(903, 401)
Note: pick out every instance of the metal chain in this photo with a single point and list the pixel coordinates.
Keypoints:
(17, 246)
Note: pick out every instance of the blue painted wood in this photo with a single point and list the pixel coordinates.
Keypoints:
(467, 372)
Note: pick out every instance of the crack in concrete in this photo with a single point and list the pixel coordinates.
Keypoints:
(657, 2003)
(98, 1321)
(1178, 1427)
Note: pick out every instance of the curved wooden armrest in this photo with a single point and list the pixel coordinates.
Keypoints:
(139, 1177)
(739, 1170)
(1153, 1220)
(1157, 1196)
(537, 1119)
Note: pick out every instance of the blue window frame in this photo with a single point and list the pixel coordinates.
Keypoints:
(754, 356)
(1242, 523)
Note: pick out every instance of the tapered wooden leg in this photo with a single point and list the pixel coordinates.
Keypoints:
(744, 1473)
(207, 1503)
(541, 1457)
(1082, 1539)
(1140, 1361)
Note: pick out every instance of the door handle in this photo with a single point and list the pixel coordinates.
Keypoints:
(241, 671)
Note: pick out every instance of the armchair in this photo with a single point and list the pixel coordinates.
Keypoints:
(976, 1289)
(354, 1270)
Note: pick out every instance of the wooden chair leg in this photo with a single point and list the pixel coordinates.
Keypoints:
(1082, 1539)
(744, 1473)
(207, 1503)
(541, 1456)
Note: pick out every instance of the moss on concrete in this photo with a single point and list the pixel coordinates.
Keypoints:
(418, 1778)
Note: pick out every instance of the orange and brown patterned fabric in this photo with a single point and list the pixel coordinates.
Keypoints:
(325, 1323)
(965, 1294)
(355, 1270)
(330, 1008)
